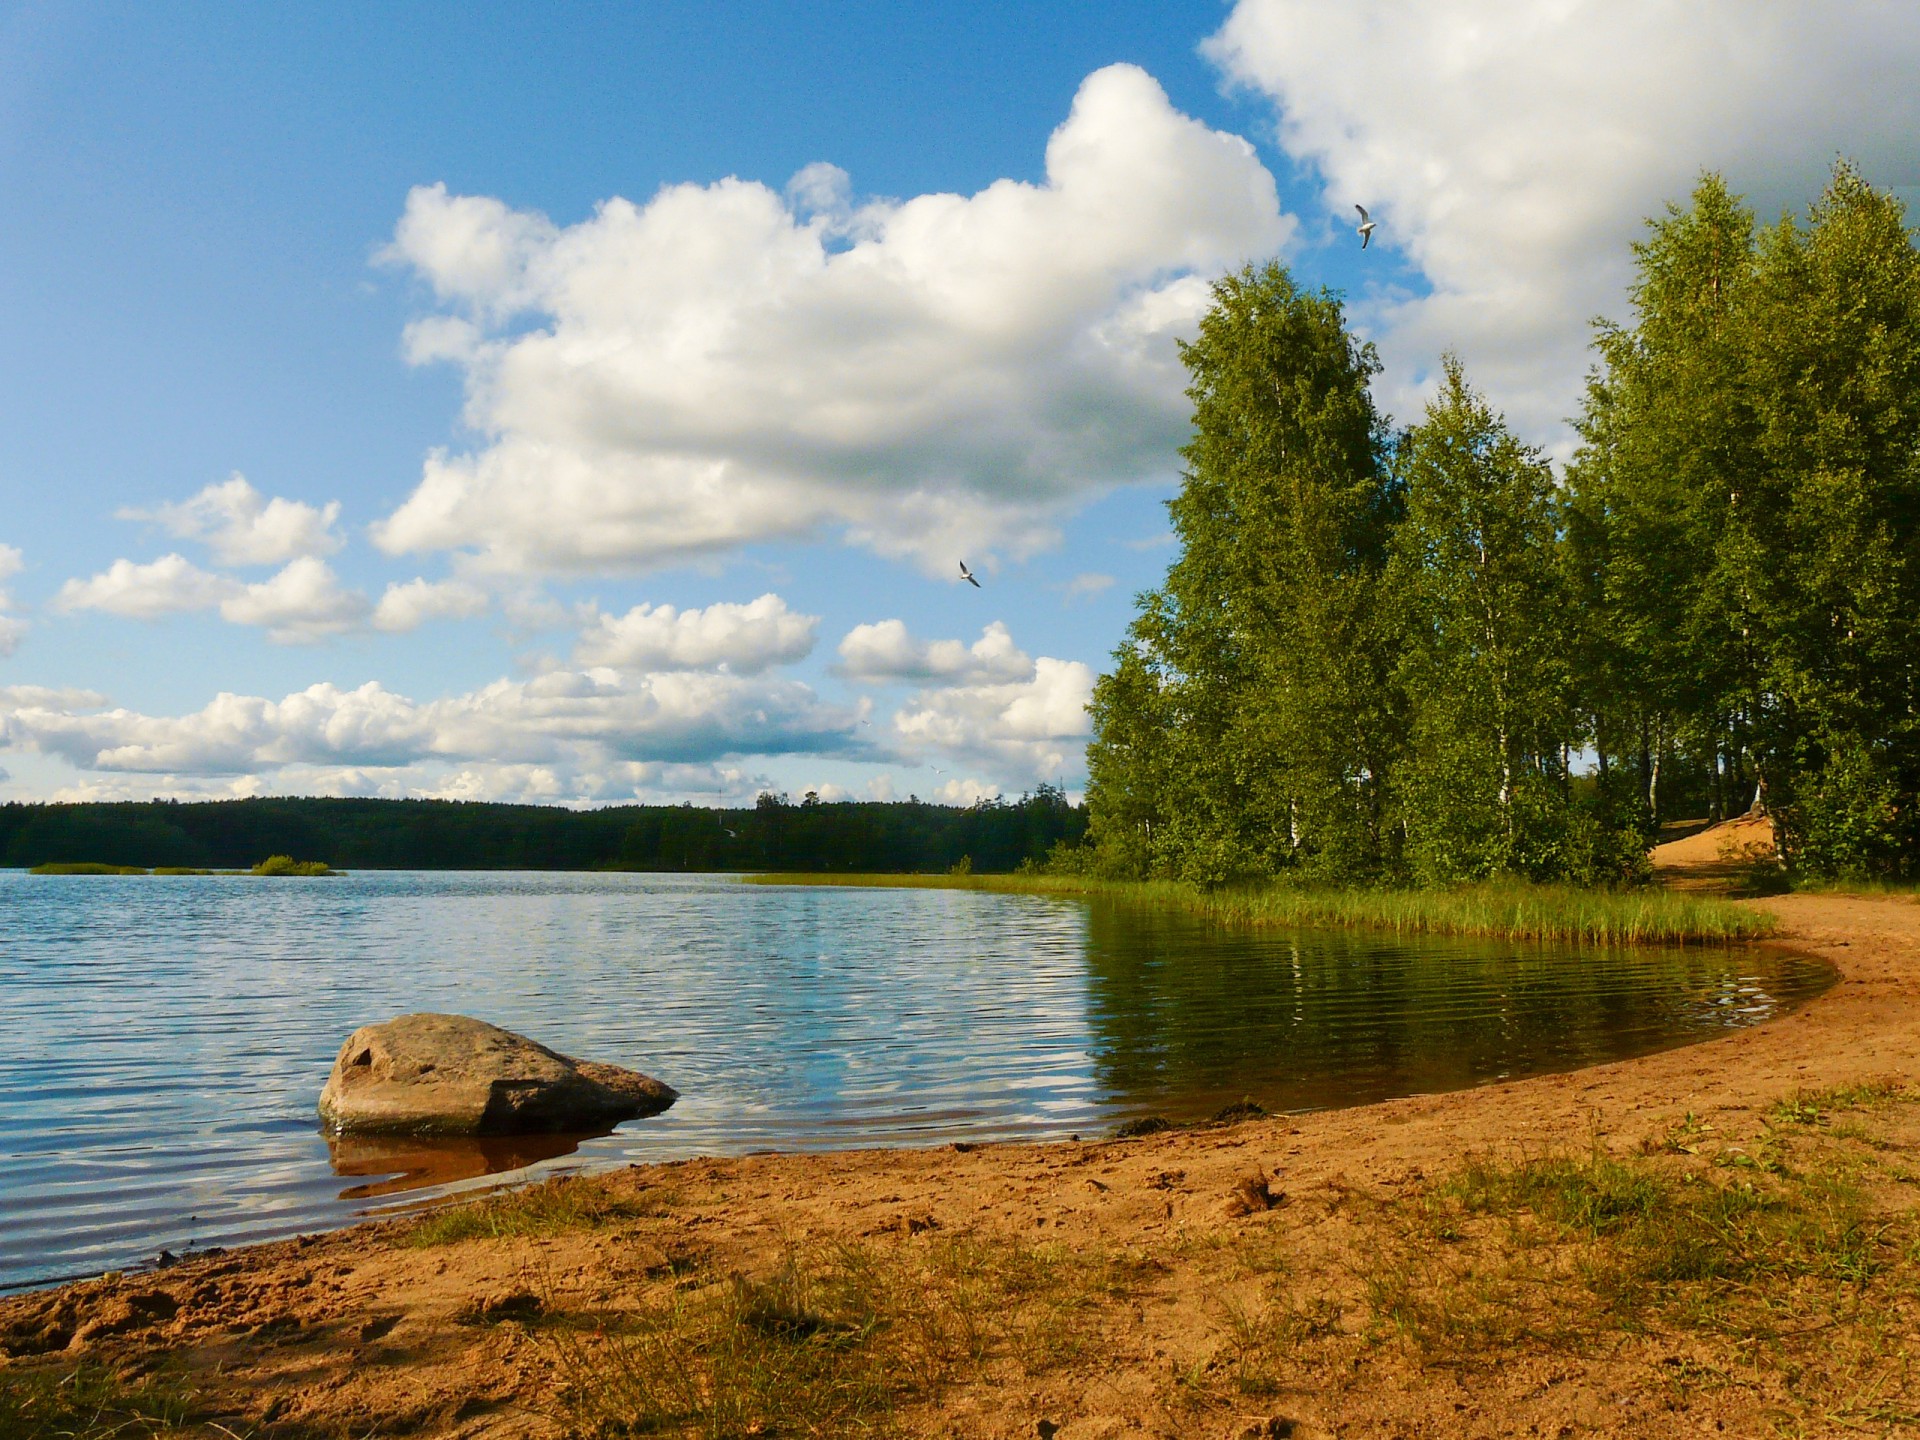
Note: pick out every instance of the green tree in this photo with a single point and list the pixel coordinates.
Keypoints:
(1486, 668)
(1668, 512)
(1835, 369)
(1746, 521)
(1247, 726)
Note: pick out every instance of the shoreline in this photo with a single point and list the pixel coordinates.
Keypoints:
(367, 1330)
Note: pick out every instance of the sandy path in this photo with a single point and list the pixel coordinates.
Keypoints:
(351, 1334)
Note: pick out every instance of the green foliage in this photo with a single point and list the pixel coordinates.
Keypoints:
(1486, 661)
(437, 834)
(1747, 523)
(1379, 660)
(83, 867)
(1243, 730)
(287, 865)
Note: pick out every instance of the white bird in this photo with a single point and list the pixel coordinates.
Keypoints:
(967, 575)
(1365, 228)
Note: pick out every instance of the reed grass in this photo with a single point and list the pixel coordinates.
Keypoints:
(1504, 910)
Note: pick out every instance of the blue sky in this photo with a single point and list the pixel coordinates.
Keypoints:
(519, 328)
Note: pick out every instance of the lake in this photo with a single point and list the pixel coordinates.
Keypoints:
(165, 1039)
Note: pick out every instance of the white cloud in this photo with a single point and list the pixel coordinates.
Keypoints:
(885, 653)
(1085, 586)
(171, 585)
(12, 627)
(574, 721)
(722, 365)
(242, 527)
(408, 606)
(300, 603)
(303, 603)
(1511, 149)
(513, 784)
(742, 639)
(1033, 729)
(48, 697)
(968, 791)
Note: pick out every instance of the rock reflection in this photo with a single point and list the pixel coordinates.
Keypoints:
(414, 1162)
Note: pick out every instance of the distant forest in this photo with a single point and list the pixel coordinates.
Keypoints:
(775, 834)
(1421, 654)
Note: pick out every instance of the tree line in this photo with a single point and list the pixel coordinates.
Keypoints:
(1419, 654)
(776, 833)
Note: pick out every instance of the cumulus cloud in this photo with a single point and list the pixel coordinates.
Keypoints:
(302, 602)
(1034, 729)
(409, 606)
(171, 585)
(725, 364)
(577, 721)
(967, 791)
(1512, 149)
(49, 697)
(12, 627)
(742, 639)
(886, 653)
(242, 527)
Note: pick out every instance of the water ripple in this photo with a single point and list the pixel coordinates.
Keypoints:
(166, 1037)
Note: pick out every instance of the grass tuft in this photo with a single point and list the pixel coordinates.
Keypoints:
(90, 1402)
(833, 1341)
(554, 1207)
(1497, 910)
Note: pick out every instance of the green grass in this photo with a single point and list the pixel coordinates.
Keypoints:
(89, 1402)
(1772, 1261)
(1808, 885)
(556, 1207)
(835, 1340)
(1502, 910)
(84, 867)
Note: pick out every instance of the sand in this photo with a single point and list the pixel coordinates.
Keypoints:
(355, 1333)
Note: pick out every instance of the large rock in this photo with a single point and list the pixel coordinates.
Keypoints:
(451, 1075)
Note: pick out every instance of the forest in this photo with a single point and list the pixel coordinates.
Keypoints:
(1393, 655)
(775, 834)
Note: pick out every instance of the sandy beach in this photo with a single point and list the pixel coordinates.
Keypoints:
(1327, 1274)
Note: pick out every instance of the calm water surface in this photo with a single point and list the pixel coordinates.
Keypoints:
(163, 1040)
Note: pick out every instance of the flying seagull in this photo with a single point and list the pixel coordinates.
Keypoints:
(967, 575)
(1365, 228)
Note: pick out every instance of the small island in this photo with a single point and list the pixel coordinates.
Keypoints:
(273, 865)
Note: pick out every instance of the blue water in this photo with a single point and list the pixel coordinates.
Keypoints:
(165, 1038)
